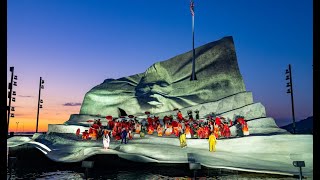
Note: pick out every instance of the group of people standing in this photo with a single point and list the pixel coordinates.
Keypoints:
(211, 128)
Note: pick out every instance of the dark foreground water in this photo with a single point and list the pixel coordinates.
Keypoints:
(32, 164)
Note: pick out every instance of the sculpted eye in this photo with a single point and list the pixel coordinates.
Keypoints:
(163, 84)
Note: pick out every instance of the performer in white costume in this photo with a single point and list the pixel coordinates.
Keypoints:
(106, 140)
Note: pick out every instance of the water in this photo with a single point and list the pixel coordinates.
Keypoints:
(39, 167)
(32, 164)
(135, 175)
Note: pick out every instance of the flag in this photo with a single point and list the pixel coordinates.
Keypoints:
(192, 7)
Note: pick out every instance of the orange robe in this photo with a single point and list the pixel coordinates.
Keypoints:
(160, 130)
(150, 129)
(138, 128)
(226, 130)
(188, 133)
(216, 131)
(245, 129)
(168, 130)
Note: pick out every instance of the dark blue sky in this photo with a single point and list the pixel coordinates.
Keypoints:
(76, 44)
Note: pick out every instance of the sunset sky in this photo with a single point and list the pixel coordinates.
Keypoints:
(76, 45)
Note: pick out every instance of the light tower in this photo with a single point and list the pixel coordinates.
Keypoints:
(40, 101)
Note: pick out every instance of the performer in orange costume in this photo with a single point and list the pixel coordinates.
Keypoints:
(150, 129)
(216, 131)
(188, 133)
(168, 131)
(160, 130)
(245, 129)
(226, 131)
(138, 128)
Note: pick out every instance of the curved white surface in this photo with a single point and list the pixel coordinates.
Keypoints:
(263, 154)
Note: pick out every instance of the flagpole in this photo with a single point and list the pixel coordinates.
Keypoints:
(193, 75)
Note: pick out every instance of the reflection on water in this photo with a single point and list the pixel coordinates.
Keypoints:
(134, 175)
(32, 164)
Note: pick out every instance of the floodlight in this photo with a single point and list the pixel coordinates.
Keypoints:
(15, 78)
(299, 163)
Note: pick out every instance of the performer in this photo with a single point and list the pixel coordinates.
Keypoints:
(216, 131)
(85, 135)
(106, 139)
(190, 115)
(245, 129)
(124, 135)
(150, 129)
(226, 131)
(129, 134)
(188, 132)
(78, 132)
(168, 131)
(212, 142)
(206, 132)
(94, 134)
(197, 114)
(183, 141)
(138, 128)
(179, 115)
(160, 130)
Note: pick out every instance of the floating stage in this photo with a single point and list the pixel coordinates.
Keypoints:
(271, 154)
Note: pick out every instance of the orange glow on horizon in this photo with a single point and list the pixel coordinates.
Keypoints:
(25, 119)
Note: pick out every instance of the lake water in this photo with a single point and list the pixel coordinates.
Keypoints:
(35, 165)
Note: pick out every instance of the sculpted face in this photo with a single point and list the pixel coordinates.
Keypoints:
(154, 88)
(166, 85)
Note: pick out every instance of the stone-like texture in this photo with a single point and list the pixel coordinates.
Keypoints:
(166, 85)
(61, 128)
(220, 106)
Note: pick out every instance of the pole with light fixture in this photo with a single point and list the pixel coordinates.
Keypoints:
(10, 94)
(40, 101)
(290, 91)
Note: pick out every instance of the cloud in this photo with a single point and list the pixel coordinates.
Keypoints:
(24, 96)
(72, 104)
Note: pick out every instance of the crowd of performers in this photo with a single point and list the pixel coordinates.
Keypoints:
(124, 128)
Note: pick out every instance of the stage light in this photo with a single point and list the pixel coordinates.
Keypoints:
(14, 93)
(15, 78)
